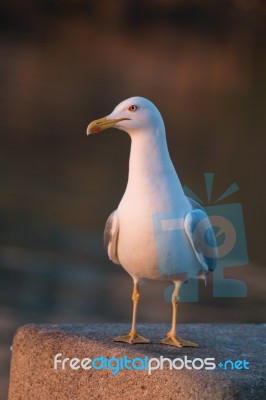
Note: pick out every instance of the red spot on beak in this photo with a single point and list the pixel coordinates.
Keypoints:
(96, 129)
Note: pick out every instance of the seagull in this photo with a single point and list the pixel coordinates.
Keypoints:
(139, 234)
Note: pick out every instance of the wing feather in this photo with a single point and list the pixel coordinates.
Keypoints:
(110, 237)
(201, 235)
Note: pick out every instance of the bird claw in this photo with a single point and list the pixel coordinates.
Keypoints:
(131, 339)
(178, 342)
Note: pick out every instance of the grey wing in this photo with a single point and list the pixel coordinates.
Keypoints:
(110, 237)
(201, 235)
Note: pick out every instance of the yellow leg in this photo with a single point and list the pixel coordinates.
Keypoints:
(172, 339)
(133, 336)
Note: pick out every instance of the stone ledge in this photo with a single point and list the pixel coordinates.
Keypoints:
(34, 347)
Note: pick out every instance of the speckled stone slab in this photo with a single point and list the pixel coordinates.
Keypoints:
(34, 377)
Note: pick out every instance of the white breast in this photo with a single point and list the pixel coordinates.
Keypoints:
(153, 187)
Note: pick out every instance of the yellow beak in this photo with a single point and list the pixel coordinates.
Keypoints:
(103, 123)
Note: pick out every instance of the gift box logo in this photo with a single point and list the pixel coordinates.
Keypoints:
(228, 225)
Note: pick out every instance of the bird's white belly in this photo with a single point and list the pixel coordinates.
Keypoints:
(136, 247)
(144, 252)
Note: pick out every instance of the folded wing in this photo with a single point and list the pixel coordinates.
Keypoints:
(201, 235)
(110, 237)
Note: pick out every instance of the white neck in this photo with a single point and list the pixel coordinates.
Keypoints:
(153, 185)
(150, 165)
(149, 154)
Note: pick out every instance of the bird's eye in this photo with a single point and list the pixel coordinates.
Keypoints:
(132, 108)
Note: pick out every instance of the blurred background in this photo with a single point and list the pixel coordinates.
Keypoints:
(64, 63)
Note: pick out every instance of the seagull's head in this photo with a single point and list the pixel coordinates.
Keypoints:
(133, 115)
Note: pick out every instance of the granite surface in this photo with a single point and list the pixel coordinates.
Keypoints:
(33, 375)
